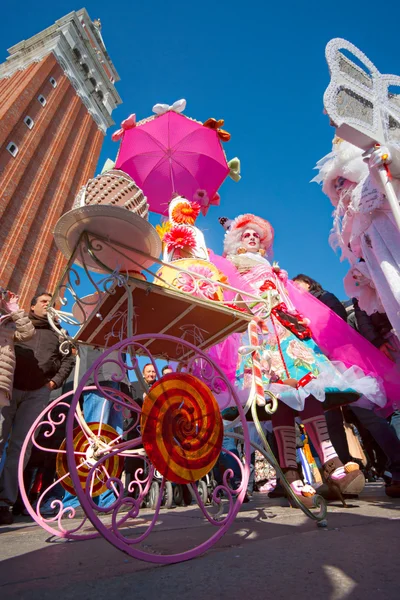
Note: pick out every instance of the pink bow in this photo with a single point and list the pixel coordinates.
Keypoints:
(201, 197)
(126, 124)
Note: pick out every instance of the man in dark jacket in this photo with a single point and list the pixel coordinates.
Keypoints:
(40, 368)
(133, 463)
(327, 298)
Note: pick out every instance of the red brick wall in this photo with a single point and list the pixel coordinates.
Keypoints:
(56, 262)
(55, 159)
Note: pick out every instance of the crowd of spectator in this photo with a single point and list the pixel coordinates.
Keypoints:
(34, 368)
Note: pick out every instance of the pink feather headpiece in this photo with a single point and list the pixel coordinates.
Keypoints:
(233, 237)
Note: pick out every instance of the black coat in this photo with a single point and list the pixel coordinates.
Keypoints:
(137, 392)
(332, 302)
(373, 327)
(39, 360)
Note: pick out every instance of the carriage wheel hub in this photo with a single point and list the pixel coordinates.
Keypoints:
(93, 454)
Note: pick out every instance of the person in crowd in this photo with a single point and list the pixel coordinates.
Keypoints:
(40, 367)
(166, 370)
(95, 407)
(41, 469)
(229, 459)
(317, 290)
(149, 376)
(138, 392)
(262, 475)
(375, 328)
(15, 326)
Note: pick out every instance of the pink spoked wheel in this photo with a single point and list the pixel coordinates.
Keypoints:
(45, 483)
(181, 437)
(41, 487)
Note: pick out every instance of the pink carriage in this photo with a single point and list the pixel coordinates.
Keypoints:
(118, 295)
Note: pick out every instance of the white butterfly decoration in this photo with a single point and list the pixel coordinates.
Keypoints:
(358, 100)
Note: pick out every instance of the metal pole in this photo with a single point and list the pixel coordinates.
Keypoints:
(76, 372)
(390, 193)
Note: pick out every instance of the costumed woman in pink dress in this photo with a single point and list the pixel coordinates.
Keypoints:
(293, 367)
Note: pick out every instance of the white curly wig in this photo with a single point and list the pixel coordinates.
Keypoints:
(233, 237)
(346, 161)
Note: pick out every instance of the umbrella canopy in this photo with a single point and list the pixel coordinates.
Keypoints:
(171, 153)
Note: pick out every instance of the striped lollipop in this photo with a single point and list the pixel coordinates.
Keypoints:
(181, 427)
(84, 460)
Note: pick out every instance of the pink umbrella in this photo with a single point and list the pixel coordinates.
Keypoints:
(171, 153)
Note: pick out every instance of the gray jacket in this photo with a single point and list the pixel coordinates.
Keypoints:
(88, 356)
(16, 327)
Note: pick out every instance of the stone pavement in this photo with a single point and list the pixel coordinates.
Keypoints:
(270, 551)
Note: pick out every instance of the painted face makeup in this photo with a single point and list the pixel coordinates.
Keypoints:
(251, 240)
(341, 183)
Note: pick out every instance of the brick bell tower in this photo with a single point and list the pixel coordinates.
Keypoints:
(57, 93)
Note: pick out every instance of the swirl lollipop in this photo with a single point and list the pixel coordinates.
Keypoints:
(181, 428)
(85, 459)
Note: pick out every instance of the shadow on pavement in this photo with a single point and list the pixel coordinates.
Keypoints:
(269, 551)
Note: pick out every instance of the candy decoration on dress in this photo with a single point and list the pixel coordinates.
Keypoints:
(292, 321)
(85, 458)
(256, 360)
(254, 349)
(181, 428)
(257, 373)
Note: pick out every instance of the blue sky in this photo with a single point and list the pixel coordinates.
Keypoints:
(260, 66)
